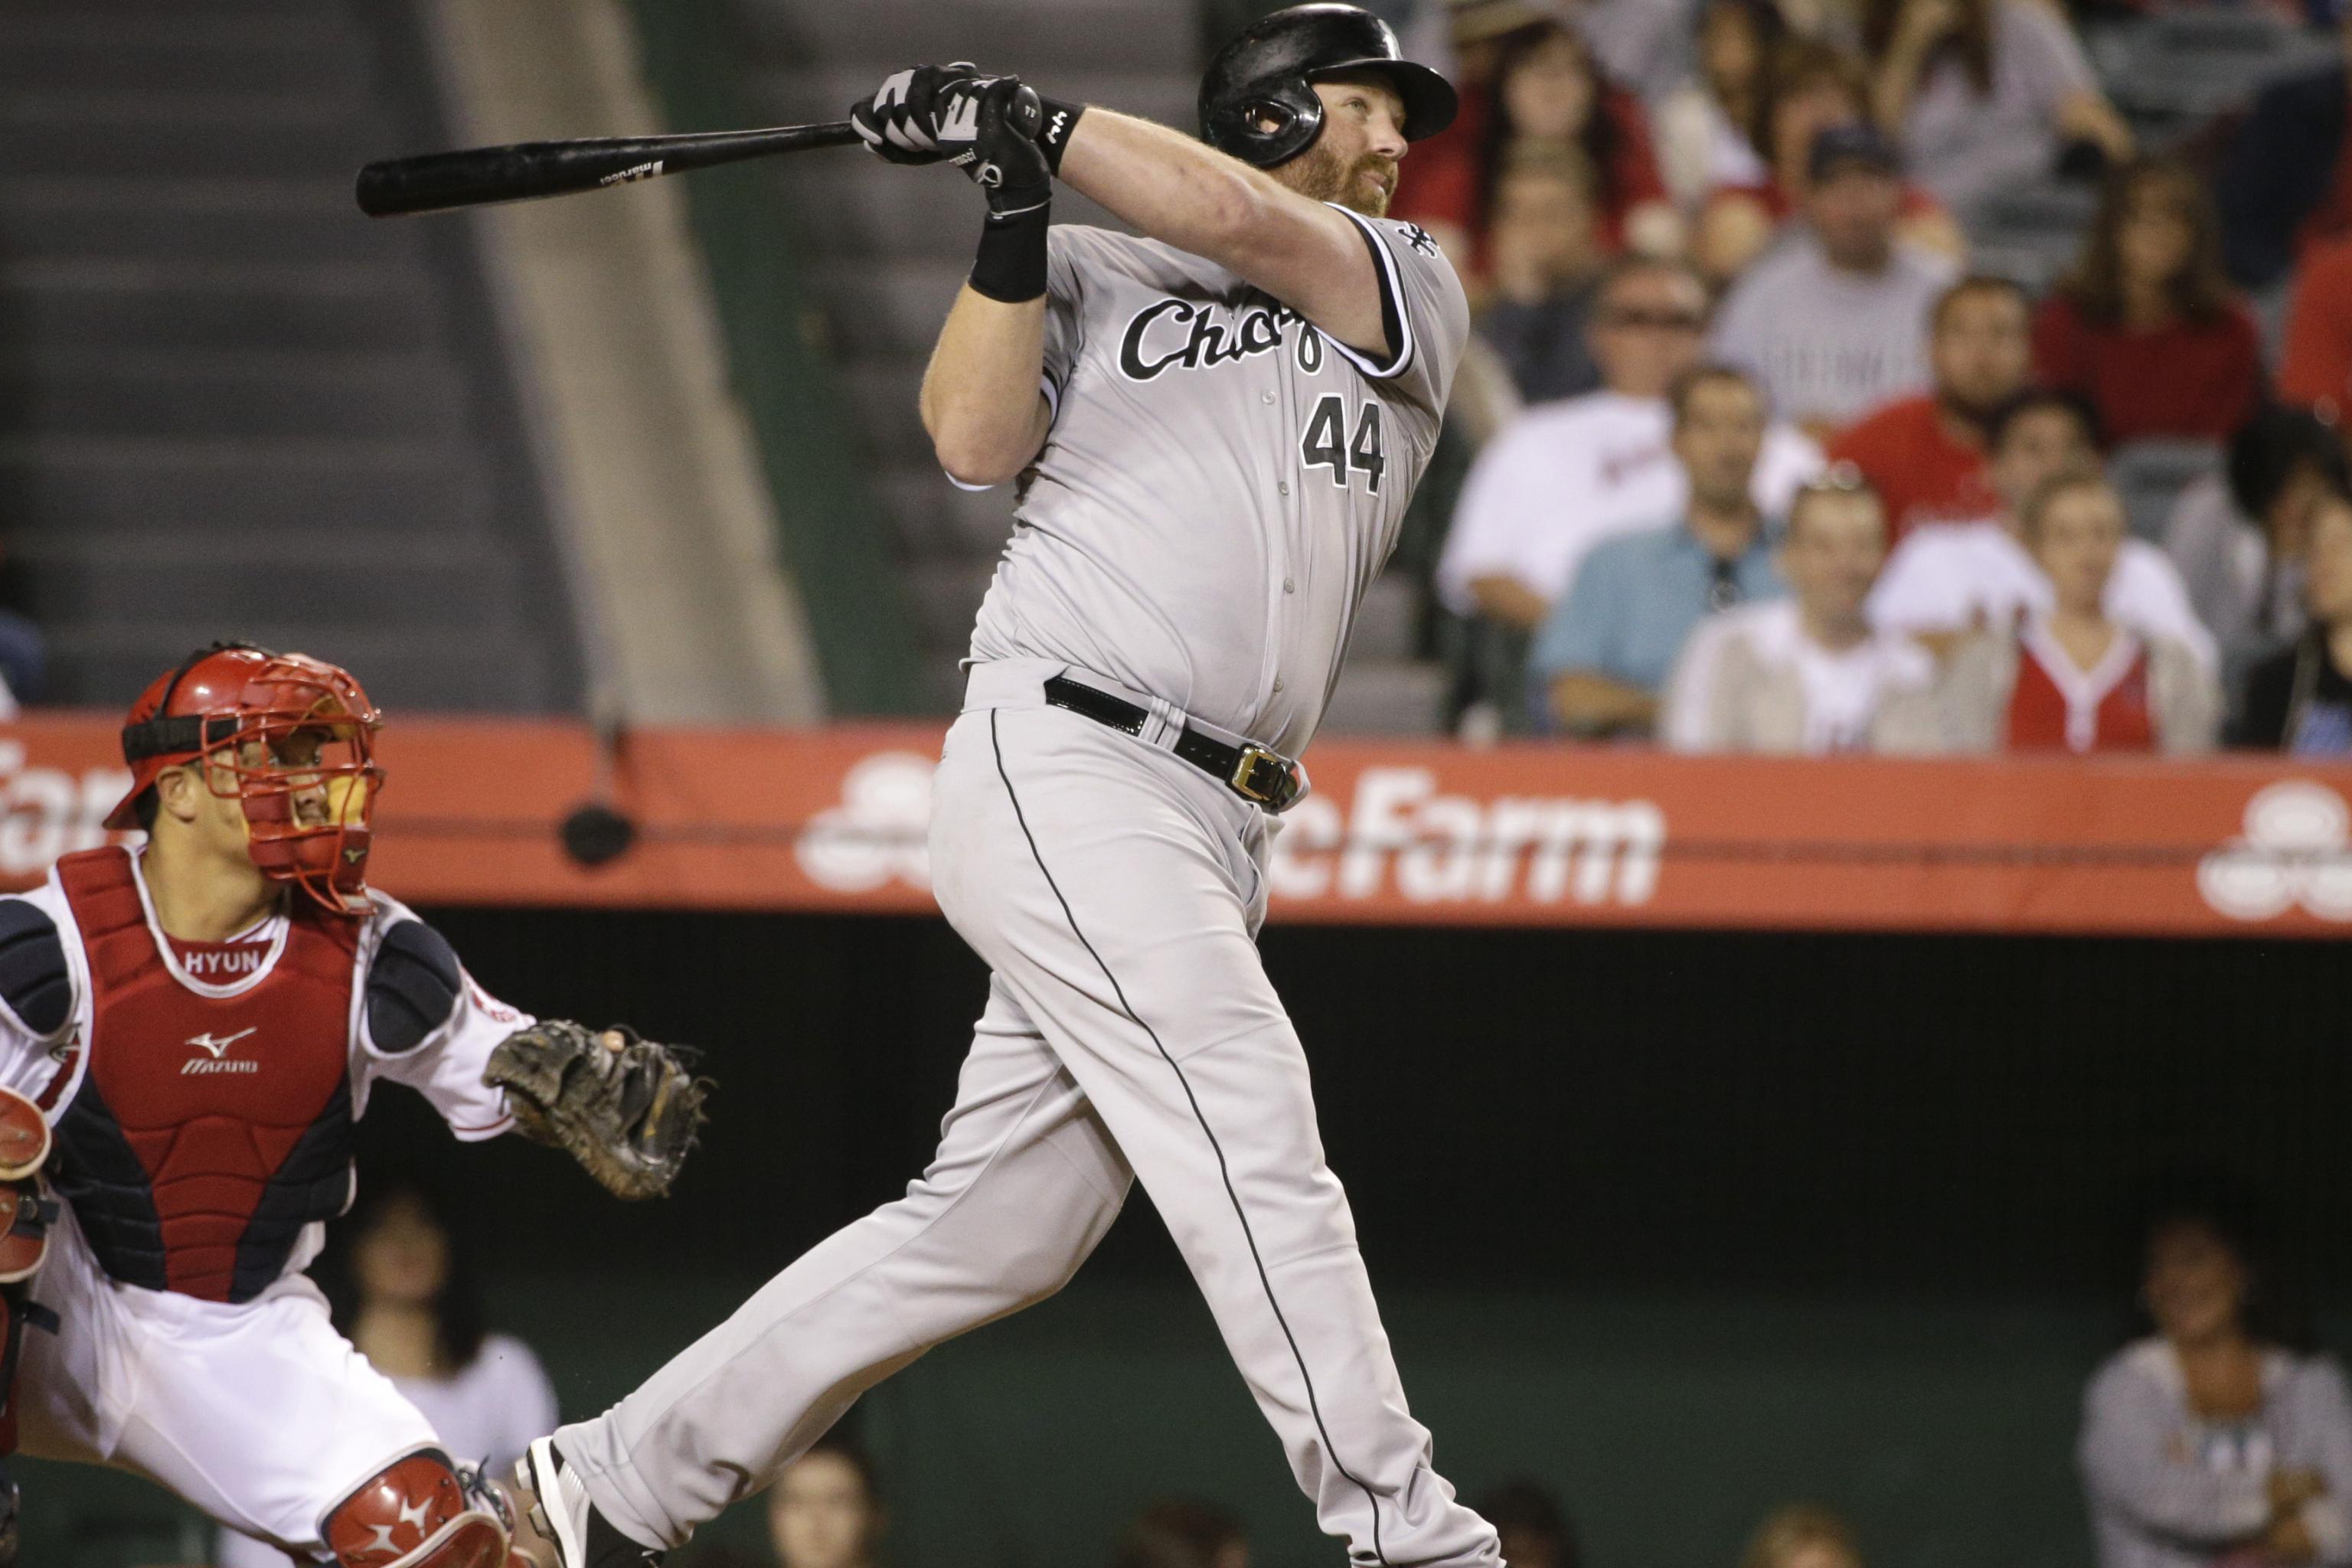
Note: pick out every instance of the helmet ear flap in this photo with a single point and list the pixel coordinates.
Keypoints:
(1272, 124)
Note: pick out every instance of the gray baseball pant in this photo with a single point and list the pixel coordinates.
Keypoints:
(1115, 892)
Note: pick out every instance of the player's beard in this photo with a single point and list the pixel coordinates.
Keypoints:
(1323, 176)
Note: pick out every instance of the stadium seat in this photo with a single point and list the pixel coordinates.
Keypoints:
(221, 381)
(2182, 66)
(2031, 233)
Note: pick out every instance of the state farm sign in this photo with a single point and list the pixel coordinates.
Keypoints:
(1404, 832)
(48, 810)
(1400, 833)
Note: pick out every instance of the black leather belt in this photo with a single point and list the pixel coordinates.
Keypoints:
(1256, 774)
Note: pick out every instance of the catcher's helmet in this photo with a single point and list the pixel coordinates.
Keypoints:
(316, 734)
(1258, 102)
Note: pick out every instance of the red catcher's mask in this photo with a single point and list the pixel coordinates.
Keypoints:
(291, 738)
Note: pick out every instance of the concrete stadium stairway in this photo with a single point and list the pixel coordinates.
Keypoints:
(229, 404)
(887, 249)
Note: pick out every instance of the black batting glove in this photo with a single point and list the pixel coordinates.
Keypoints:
(987, 128)
(898, 122)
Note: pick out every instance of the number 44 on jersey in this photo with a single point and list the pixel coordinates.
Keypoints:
(1325, 445)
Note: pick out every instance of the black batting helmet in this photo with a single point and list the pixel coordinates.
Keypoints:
(1258, 100)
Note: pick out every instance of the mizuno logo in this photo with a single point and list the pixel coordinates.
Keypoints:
(215, 1060)
(206, 1042)
(1060, 123)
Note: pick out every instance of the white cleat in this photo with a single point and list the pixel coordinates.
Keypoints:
(566, 1520)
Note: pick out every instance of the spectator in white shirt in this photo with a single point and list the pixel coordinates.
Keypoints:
(1833, 322)
(1807, 674)
(1949, 579)
(1564, 477)
(1984, 93)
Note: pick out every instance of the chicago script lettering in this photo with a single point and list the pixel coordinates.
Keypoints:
(1152, 342)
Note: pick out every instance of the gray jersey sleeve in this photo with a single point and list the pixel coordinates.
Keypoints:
(1424, 313)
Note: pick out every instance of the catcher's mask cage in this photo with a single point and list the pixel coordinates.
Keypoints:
(1258, 100)
(291, 738)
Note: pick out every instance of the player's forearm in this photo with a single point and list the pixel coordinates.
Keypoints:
(1186, 194)
(1588, 703)
(1167, 184)
(980, 401)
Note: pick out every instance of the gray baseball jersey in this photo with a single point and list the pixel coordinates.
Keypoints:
(1222, 480)
(1221, 484)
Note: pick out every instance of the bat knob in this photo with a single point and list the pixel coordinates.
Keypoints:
(1024, 113)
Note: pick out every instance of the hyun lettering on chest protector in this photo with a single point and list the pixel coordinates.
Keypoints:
(207, 1131)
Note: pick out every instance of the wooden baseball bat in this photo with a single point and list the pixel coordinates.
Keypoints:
(435, 182)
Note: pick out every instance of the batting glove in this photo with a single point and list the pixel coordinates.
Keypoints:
(987, 128)
(898, 122)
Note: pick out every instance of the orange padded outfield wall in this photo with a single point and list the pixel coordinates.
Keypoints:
(1396, 832)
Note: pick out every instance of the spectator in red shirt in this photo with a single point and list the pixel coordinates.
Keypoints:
(1926, 455)
(1547, 92)
(1551, 90)
(2075, 679)
(2316, 372)
(2146, 327)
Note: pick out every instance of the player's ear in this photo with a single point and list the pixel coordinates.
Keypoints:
(176, 792)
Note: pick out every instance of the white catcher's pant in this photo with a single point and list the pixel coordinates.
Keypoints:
(260, 1413)
(1130, 1031)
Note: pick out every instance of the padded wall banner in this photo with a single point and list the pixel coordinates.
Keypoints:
(1396, 832)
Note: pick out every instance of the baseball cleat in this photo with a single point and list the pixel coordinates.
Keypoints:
(562, 1513)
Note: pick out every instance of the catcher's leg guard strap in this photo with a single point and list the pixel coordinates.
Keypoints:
(416, 1514)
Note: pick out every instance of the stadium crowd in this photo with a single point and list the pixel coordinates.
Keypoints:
(1778, 444)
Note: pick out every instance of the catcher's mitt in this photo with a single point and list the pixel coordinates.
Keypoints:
(626, 1108)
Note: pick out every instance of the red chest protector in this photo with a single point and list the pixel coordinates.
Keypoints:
(2042, 716)
(207, 1131)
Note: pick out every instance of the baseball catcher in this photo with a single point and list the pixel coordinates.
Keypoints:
(188, 1033)
(1212, 431)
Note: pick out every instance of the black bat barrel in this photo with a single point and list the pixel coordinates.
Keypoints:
(476, 177)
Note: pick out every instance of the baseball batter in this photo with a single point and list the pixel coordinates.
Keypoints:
(1214, 431)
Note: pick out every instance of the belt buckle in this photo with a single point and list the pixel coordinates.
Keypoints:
(1244, 773)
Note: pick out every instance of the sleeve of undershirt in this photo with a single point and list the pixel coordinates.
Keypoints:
(446, 1062)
